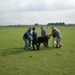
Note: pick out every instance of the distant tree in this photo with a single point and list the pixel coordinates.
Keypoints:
(36, 24)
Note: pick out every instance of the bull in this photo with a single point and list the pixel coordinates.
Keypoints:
(43, 40)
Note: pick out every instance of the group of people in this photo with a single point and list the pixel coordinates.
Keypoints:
(27, 39)
(31, 33)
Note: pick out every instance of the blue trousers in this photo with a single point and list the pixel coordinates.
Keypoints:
(26, 46)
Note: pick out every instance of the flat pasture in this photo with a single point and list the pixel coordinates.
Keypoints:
(46, 61)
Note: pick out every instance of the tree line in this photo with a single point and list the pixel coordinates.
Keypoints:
(60, 23)
(36, 24)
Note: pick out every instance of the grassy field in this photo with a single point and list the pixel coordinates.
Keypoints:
(47, 61)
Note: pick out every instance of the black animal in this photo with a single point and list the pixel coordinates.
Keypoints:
(43, 40)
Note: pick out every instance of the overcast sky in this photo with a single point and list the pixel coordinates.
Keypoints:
(36, 11)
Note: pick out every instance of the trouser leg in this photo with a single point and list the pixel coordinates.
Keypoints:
(37, 46)
(30, 42)
(33, 45)
(24, 42)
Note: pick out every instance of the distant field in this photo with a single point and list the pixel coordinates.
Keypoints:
(47, 61)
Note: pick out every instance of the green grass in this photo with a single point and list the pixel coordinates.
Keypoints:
(47, 61)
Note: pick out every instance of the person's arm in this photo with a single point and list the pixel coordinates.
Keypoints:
(52, 33)
(28, 34)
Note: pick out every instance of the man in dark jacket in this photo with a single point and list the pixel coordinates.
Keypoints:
(34, 41)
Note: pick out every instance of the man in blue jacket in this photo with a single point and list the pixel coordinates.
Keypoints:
(34, 41)
(26, 38)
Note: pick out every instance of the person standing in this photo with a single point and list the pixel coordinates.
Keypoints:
(30, 37)
(34, 41)
(43, 32)
(26, 38)
(53, 37)
(56, 32)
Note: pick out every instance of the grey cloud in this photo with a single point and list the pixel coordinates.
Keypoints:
(40, 11)
(37, 5)
(47, 6)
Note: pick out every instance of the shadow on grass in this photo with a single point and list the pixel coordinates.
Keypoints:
(48, 48)
(12, 51)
